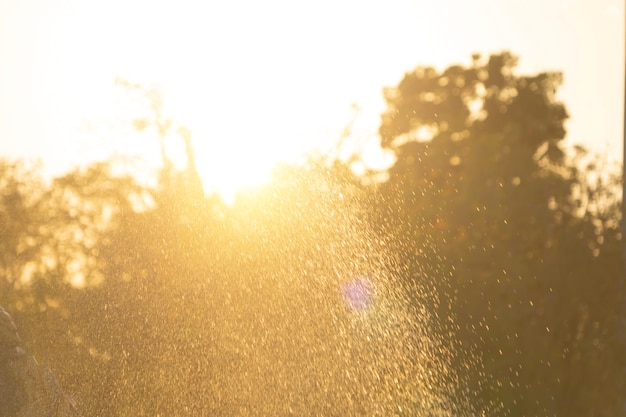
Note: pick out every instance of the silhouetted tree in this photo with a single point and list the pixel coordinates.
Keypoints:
(485, 271)
(485, 206)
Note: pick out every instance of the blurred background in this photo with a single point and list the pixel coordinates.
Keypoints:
(405, 208)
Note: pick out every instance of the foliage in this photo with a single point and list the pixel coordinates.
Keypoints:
(493, 257)
(490, 211)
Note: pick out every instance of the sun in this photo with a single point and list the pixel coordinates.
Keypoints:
(233, 166)
(254, 93)
(238, 142)
(244, 125)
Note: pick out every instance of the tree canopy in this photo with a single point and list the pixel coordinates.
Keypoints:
(482, 277)
(489, 209)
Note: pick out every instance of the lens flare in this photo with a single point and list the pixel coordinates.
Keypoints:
(358, 294)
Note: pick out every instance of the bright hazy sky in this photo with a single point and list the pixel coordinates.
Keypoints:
(258, 81)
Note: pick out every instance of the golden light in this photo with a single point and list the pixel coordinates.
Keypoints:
(254, 88)
(239, 149)
(258, 82)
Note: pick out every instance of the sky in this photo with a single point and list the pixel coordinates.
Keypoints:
(259, 82)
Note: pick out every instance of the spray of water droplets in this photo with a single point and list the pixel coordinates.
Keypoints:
(307, 312)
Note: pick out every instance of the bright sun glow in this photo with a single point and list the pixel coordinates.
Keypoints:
(260, 91)
(239, 139)
(263, 82)
(252, 95)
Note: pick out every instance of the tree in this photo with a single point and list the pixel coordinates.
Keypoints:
(484, 205)
(481, 277)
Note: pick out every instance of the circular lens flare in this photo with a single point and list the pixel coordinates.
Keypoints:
(358, 294)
